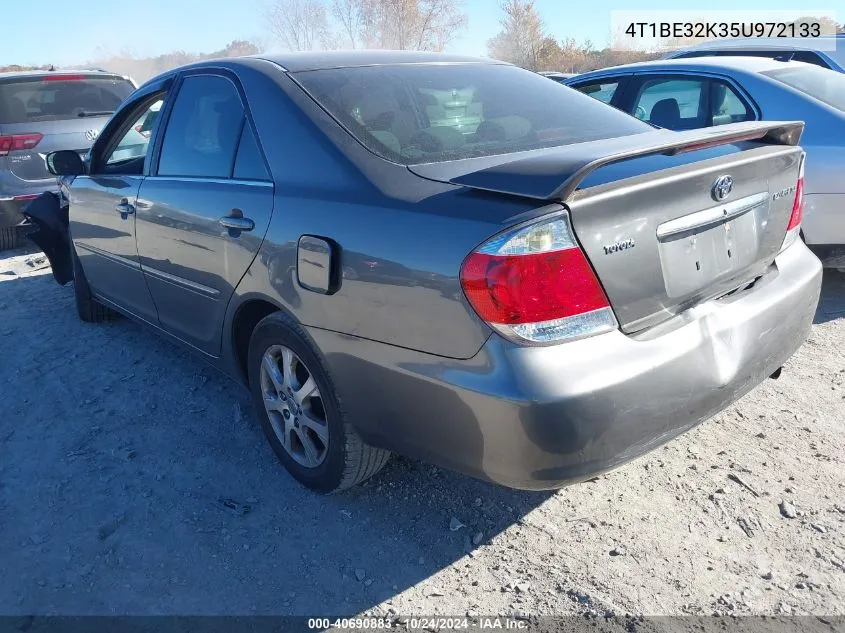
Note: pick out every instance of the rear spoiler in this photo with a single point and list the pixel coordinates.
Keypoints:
(555, 173)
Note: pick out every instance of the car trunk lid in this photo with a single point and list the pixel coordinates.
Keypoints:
(663, 241)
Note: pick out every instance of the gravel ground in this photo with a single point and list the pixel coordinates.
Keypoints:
(134, 480)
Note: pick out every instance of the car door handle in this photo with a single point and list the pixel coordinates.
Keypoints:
(235, 223)
(124, 208)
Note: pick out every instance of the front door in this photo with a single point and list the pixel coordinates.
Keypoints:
(203, 212)
(102, 216)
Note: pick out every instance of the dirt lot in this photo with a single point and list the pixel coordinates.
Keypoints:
(118, 450)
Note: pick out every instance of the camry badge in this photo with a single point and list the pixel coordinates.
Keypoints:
(722, 188)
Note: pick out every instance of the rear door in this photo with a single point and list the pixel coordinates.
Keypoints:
(203, 213)
(102, 212)
(53, 112)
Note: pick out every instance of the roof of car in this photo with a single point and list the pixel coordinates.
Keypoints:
(44, 73)
(746, 64)
(321, 60)
(801, 43)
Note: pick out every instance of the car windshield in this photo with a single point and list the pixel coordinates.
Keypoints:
(58, 97)
(827, 86)
(431, 113)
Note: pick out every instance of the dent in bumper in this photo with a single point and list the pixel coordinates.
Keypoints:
(541, 417)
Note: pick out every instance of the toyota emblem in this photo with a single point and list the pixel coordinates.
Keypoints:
(92, 135)
(722, 188)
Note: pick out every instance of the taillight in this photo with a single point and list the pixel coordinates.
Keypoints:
(140, 130)
(534, 285)
(793, 229)
(18, 142)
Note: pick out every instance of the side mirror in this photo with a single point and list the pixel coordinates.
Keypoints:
(65, 163)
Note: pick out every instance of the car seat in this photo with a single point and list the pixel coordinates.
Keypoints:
(666, 113)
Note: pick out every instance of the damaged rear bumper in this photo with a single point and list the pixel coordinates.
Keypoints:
(542, 417)
(48, 215)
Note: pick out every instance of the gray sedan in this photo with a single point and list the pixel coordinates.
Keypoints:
(450, 258)
(684, 94)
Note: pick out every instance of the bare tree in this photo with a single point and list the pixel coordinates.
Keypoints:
(523, 36)
(299, 25)
(357, 20)
(427, 25)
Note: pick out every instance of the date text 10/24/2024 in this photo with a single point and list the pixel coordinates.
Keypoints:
(491, 623)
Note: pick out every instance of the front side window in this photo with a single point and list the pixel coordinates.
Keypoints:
(203, 129)
(136, 140)
(603, 91)
(422, 113)
(825, 85)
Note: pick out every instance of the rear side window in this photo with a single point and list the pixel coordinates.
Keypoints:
(827, 86)
(809, 57)
(60, 97)
(249, 165)
(726, 106)
(420, 113)
(203, 130)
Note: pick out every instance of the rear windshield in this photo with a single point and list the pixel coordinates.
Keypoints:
(827, 86)
(57, 97)
(431, 113)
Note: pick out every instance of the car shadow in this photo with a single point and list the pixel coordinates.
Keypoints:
(832, 302)
(134, 478)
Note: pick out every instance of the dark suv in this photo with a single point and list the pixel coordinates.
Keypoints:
(41, 112)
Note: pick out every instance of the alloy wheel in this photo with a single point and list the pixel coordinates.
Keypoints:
(294, 406)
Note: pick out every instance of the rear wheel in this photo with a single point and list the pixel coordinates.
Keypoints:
(88, 308)
(8, 237)
(300, 412)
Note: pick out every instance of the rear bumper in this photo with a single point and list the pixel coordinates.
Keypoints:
(542, 417)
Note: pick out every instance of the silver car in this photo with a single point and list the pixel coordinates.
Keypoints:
(41, 112)
(799, 49)
(445, 257)
(685, 94)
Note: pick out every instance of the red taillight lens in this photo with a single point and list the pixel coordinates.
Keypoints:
(798, 205)
(793, 229)
(535, 285)
(18, 142)
(530, 288)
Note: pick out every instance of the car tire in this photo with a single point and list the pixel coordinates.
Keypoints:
(88, 308)
(346, 459)
(8, 238)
